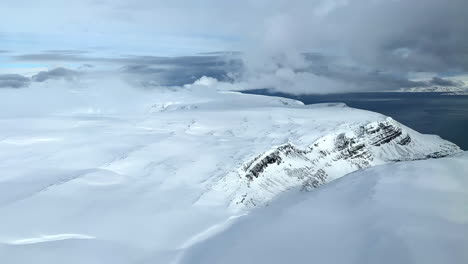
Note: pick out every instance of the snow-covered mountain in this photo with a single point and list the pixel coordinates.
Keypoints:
(348, 148)
(409, 212)
(123, 176)
(449, 85)
(435, 89)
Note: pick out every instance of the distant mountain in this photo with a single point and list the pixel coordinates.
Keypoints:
(435, 89)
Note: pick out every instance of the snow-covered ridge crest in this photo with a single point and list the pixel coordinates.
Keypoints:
(329, 157)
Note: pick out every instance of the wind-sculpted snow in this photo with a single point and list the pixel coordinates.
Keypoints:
(147, 174)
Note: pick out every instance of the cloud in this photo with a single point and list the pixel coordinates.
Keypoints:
(13, 81)
(208, 59)
(317, 73)
(51, 56)
(55, 74)
(417, 35)
(20, 81)
(354, 76)
(70, 52)
(175, 71)
(174, 76)
(378, 43)
(437, 81)
(320, 73)
(146, 70)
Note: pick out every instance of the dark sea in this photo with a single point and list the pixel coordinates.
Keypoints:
(428, 113)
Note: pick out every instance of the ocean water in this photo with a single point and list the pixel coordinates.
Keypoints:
(428, 113)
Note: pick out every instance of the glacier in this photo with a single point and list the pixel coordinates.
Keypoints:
(117, 175)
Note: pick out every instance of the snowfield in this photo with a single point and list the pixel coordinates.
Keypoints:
(410, 212)
(93, 174)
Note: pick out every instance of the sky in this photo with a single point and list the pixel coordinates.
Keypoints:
(294, 46)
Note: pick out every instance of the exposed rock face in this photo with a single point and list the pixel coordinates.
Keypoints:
(256, 167)
(330, 157)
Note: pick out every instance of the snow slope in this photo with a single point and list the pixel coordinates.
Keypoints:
(108, 174)
(410, 212)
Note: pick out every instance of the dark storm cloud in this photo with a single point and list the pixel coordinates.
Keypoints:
(330, 67)
(433, 36)
(364, 80)
(384, 41)
(156, 70)
(55, 74)
(149, 69)
(182, 70)
(437, 81)
(13, 81)
(417, 35)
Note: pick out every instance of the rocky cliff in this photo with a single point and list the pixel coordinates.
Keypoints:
(332, 156)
